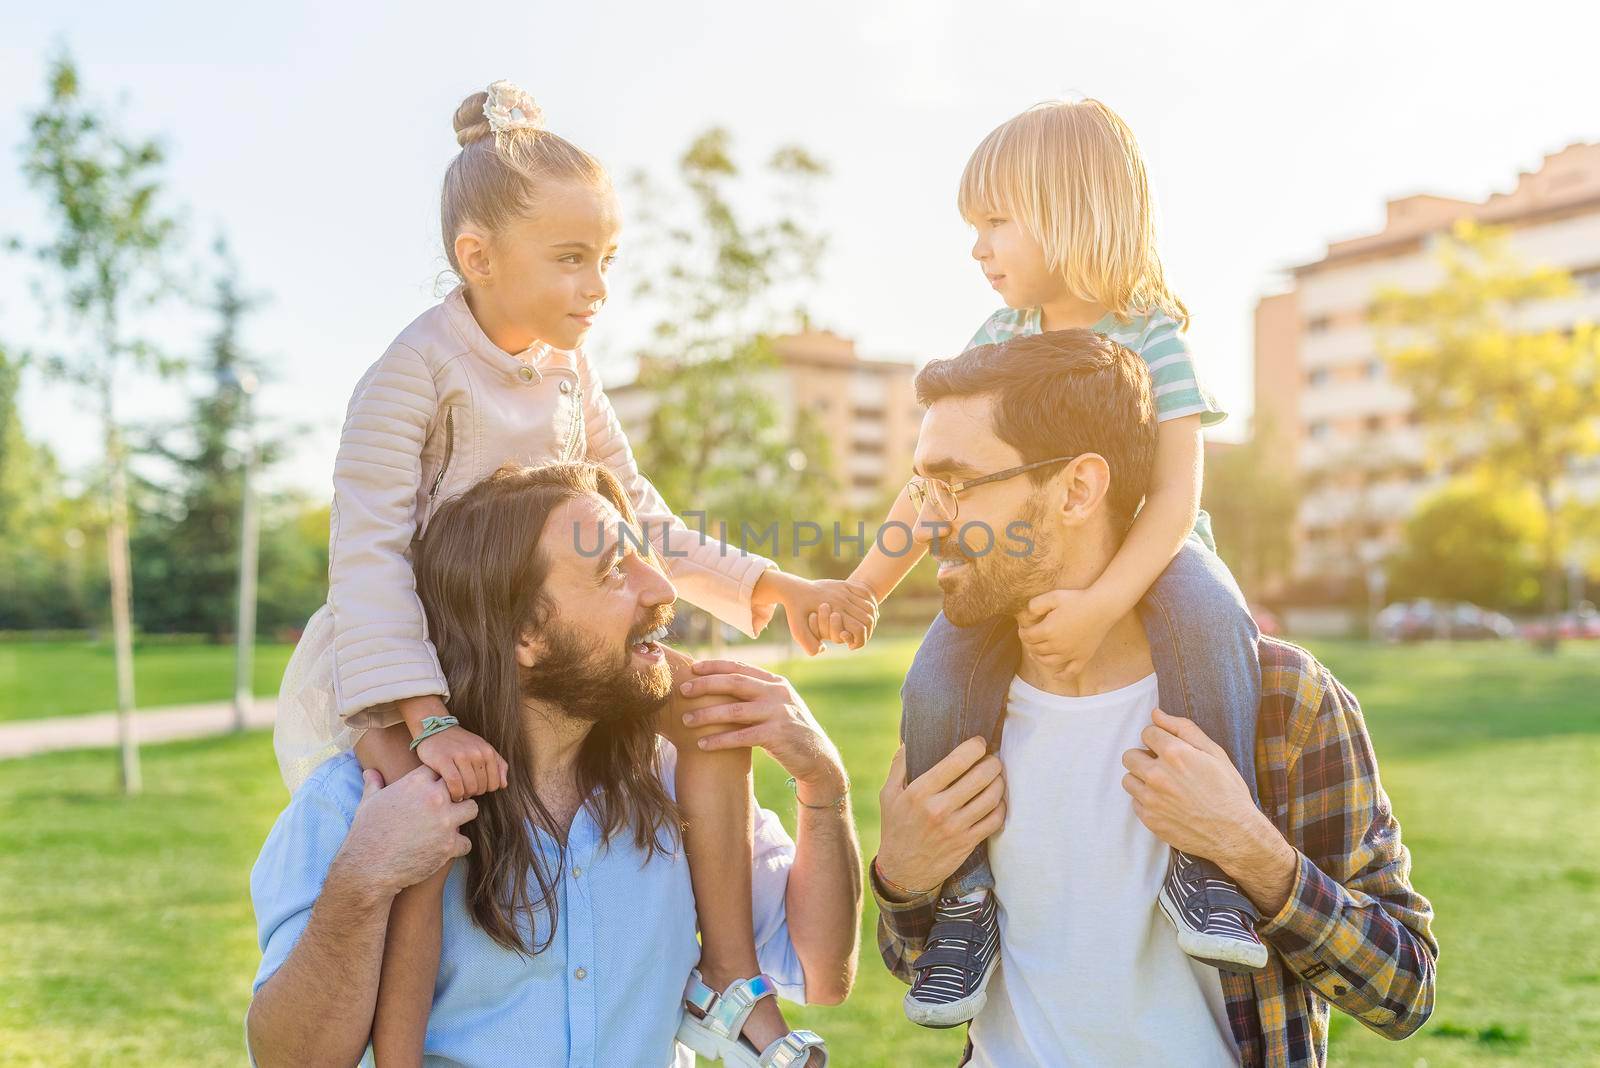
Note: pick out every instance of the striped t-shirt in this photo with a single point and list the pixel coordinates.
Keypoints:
(1154, 337)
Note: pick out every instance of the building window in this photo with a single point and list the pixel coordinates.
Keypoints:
(866, 448)
(1587, 279)
(874, 414)
(1319, 324)
(1372, 424)
(1374, 368)
(865, 482)
(1319, 377)
(1318, 429)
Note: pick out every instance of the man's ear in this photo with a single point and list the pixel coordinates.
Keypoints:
(1085, 482)
(530, 648)
(472, 254)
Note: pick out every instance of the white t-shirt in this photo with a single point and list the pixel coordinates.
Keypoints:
(1090, 971)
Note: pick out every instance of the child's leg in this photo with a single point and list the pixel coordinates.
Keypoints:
(715, 799)
(1203, 641)
(411, 947)
(955, 690)
(1208, 669)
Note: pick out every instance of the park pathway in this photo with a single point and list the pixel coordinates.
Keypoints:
(98, 730)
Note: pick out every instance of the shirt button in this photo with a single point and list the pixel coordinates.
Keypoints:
(581, 974)
(525, 373)
(566, 387)
(577, 873)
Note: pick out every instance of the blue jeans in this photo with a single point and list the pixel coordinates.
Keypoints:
(1202, 640)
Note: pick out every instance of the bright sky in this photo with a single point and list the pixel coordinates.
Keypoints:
(315, 137)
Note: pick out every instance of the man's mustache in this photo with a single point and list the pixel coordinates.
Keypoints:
(662, 616)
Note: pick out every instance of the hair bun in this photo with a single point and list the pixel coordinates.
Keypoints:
(470, 123)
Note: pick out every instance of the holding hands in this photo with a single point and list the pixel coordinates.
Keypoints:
(842, 611)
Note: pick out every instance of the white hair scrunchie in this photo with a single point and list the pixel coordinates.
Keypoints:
(509, 107)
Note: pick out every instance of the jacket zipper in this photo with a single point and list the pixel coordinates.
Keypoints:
(449, 450)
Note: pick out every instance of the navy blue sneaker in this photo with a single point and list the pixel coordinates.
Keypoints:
(1214, 920)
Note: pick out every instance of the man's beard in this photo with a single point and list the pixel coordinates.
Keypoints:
(1000, 582)
(586, 680)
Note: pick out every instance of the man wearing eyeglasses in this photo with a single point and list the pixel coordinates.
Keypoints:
(1033, 458)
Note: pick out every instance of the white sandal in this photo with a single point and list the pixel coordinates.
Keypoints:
(717, 1032)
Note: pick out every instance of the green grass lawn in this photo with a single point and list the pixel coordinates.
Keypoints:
(39, 679)
(126, 935)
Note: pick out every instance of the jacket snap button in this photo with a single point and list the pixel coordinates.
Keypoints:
(566, 387)
(525, 373)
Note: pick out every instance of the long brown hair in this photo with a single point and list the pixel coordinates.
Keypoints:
(481, 575)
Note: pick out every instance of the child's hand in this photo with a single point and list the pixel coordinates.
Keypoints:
(468, 765)
(802, 599)
(1063, 628)
(848, 616)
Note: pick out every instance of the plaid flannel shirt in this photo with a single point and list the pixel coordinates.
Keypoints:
(1353, 932)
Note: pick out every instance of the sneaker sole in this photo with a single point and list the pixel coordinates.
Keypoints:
(1223, 954)
(953, 1013)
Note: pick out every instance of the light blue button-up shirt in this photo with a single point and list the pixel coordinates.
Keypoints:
(609, 989)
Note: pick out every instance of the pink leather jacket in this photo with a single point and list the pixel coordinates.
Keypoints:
(440, 410)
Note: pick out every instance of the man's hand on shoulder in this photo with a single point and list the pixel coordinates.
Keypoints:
(755, 707)
(931, 823)
(402, 833)
(1189, 794)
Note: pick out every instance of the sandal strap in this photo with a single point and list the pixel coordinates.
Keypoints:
(793, 1049)
(726, 1013)
(697, 994)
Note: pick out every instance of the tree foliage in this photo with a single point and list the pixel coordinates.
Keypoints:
(1252, 500)
(1472, 541)
(1517, 399)
(724, 284)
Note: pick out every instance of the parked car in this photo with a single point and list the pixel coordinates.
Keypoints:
(1582, 624)
(1267, 621)
(1424, 620)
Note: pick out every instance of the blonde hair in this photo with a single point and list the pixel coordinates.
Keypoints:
(1072, 175)
(497, 178)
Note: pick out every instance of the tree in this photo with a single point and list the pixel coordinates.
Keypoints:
(187, 551)
(1521, 403)
(41, 525)
(1471, 541)
(104, 264)
(1252, 501)
(717, 441)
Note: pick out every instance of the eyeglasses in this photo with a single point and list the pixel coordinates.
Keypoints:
(942, 494)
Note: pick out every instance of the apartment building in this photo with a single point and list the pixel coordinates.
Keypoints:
(1322, 393)
(864, 407)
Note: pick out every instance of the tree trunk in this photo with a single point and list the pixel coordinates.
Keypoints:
(121, 594)
(1553, 577)
(243, 688)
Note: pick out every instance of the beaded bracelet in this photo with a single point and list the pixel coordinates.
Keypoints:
(432, 725)
(794, 787)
